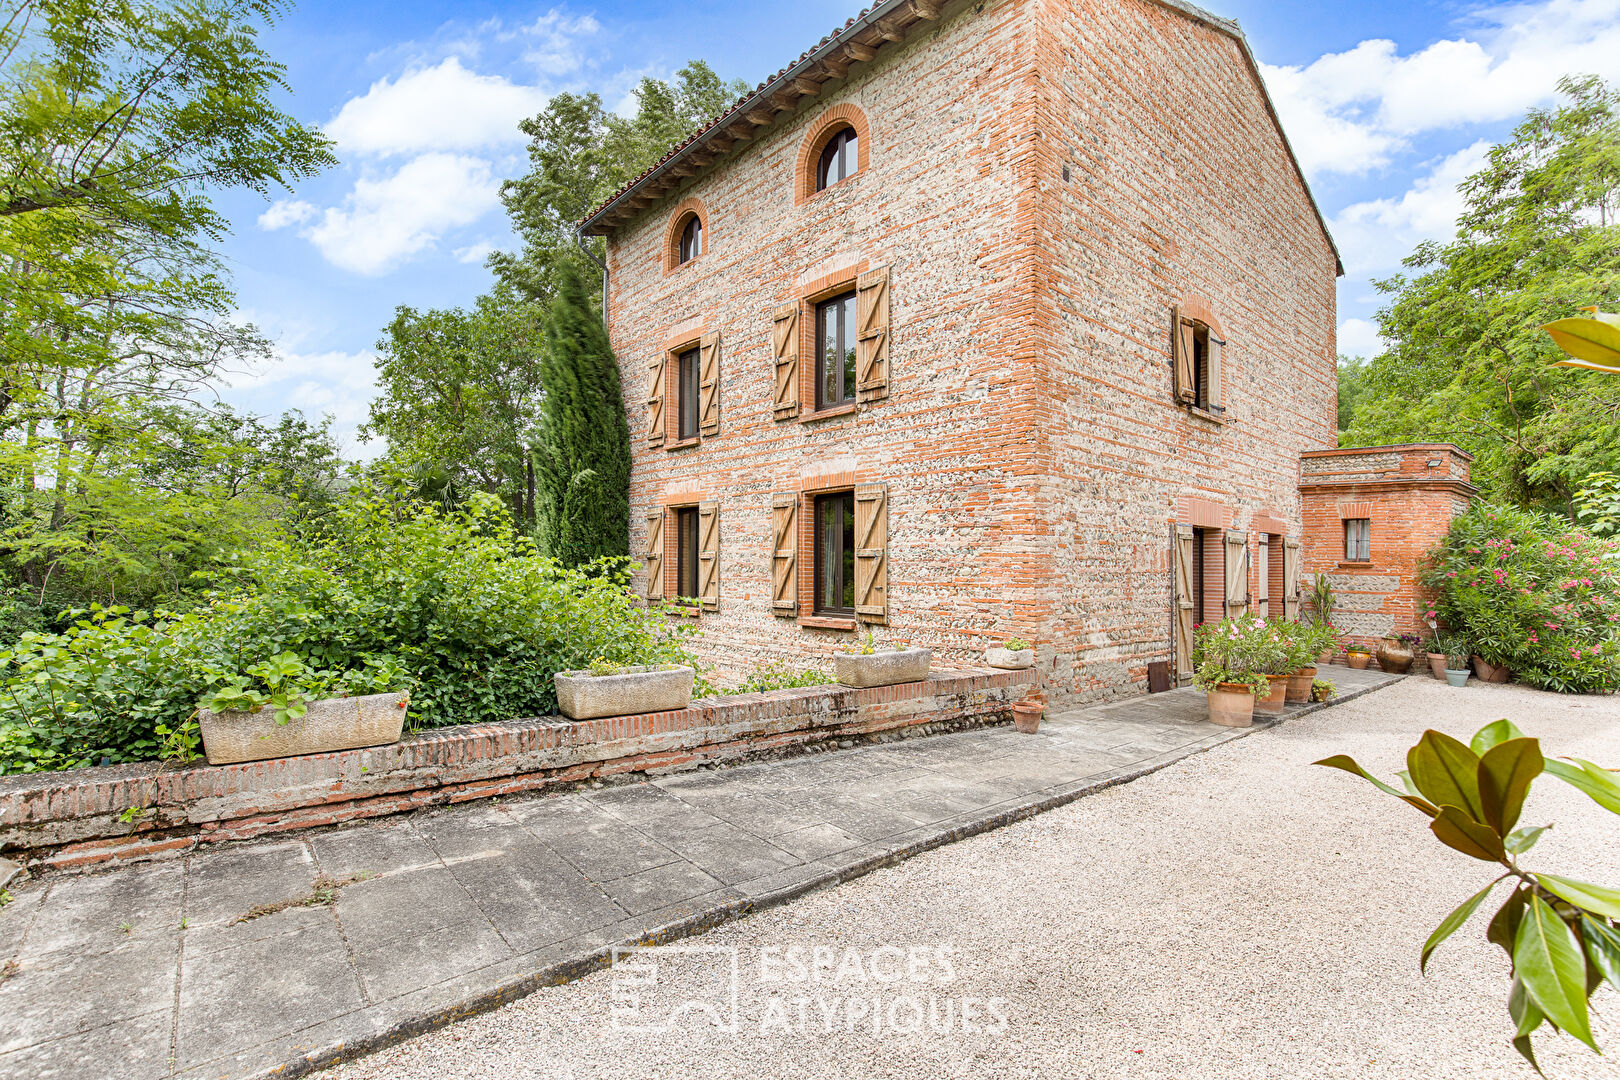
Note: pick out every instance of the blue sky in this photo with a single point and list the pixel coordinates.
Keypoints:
(1389, 105)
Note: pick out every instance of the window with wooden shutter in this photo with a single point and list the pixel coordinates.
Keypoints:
(1237, 574)
(1212, 371)
(872, 336)
(1181, 355)
(1291, 579)
(785, 553)
(653, 554)
(709, 385)
(1185, 599)
(872, 553)
(785, 337)
(709, 555)
(655, 401)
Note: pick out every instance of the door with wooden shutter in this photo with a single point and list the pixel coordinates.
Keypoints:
(709, 555)
(653, 554)
(785, 553)
(785, 340)
(655, 401)
(1186, 606)
(1181, 355)
(872, 553)
(1237, 574)
(1291, 579)
(709, 385)
(872, 335)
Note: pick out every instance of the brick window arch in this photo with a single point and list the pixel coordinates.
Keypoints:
(676, 229)
(826, 127)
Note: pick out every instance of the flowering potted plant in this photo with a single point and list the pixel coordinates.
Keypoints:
(1276, 660)
(1436, 650)
(1358, 656)
(1228, 657)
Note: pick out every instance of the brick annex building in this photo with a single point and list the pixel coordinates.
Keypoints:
(979, 320)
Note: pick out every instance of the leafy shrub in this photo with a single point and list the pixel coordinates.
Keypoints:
(1528, 592)
(1236, 651)
(779, 676)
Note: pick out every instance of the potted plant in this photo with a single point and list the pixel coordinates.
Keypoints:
(1489, 672)
(1307, 645)
(1227, 656)
(605, 689)
(1358, 656)
(1323, 690)
(282, 707)
(1015, 655)
(1436, 648)
(867, 663)
(1457, 671)
(1397, 651)
(1321, 602)
(1275, 658)
(1027, 716)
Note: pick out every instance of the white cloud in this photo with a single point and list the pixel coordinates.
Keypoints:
(384, 221)
(552, 42)
(1376, 235)
(339, 384)
(445, 107)
(285, 212)
(474, 253)
(1359, 337)
(1348, 112)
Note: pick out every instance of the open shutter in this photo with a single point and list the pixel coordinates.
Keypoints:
(785, 552)
(1181, 355)
(654, 554)
(785, 336)
(1237, 574)
(1185, 606)
(709, 555)
(709, 385)
(872, 553)
(1212, 354)
(872, 337)
(655, 401)
(1291, 579)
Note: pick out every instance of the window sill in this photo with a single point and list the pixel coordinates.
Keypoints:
(1207, 415)
(1351, 564)
(682, 444)
(675, 610)
(827, 622)
(828, 414)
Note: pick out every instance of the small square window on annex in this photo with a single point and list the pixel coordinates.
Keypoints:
(866, 393)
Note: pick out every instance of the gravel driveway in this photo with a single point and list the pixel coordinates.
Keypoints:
(1239, 914)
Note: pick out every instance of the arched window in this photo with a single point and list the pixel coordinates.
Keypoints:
(839, 158)
(691, 245)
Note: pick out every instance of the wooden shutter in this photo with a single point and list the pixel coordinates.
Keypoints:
(1181, 355)
(872, 336)
(655, 401)
(1185, 605)
(654, 554)
(1237, 574)
(872, 553)
(1212, 364)
(1291, 579)
(785, 328)
(709, 385)
(785, 552)
(709, 555)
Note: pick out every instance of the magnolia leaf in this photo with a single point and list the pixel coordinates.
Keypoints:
(1591, 343)
(1406, 782)
(1450, 923)
(1602, 947)
(1348, 764)
(1598, 783)
(1522, 840)
(1460, 832)
(1547, 956)
(1505, 774)
(1504, 925)
(1446, 772)
(1498, 731)
(1526, 1017)
(1583, 894)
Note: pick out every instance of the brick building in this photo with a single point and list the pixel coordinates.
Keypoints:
(978, 320)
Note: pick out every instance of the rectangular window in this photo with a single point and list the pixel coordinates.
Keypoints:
(835, 351)
(835, 554)
(686, 393)
(1357, 540)
(686, 552)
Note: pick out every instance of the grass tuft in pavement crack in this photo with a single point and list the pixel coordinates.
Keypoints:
(323, 894)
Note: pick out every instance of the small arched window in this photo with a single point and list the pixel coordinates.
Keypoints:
(839, 158)
(691, 245)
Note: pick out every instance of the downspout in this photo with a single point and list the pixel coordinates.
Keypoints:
(579, 235)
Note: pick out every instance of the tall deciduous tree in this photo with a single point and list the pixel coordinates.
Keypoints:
(585, 440)
(1539, 238)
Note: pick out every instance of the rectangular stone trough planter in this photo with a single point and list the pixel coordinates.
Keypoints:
(883, 668)
(627, 692)
(329, 724)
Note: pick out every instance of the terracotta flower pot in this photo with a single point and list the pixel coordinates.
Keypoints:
(1359, 660)
(1272, 703)
(1299, 684)
(1394, 657)
(1437, 665)
(1490, 672)
(1027, 716)
(1325, 659)
(1231, 705)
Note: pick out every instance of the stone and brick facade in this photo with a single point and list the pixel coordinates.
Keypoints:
(1093, 331)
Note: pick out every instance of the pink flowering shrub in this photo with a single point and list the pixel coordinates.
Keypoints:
(1533, 594)
(1238, 651)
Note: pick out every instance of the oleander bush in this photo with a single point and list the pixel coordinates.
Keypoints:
(1531, 593)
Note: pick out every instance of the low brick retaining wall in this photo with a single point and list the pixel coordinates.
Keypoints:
(77, 818)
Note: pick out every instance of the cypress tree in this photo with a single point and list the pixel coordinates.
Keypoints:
(583, 481)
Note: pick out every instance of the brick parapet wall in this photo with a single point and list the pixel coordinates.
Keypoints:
(75, 818)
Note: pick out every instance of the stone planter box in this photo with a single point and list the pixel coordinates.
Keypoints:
(1010, 659)
(329, 724)
(627, 692)
(883, 668)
